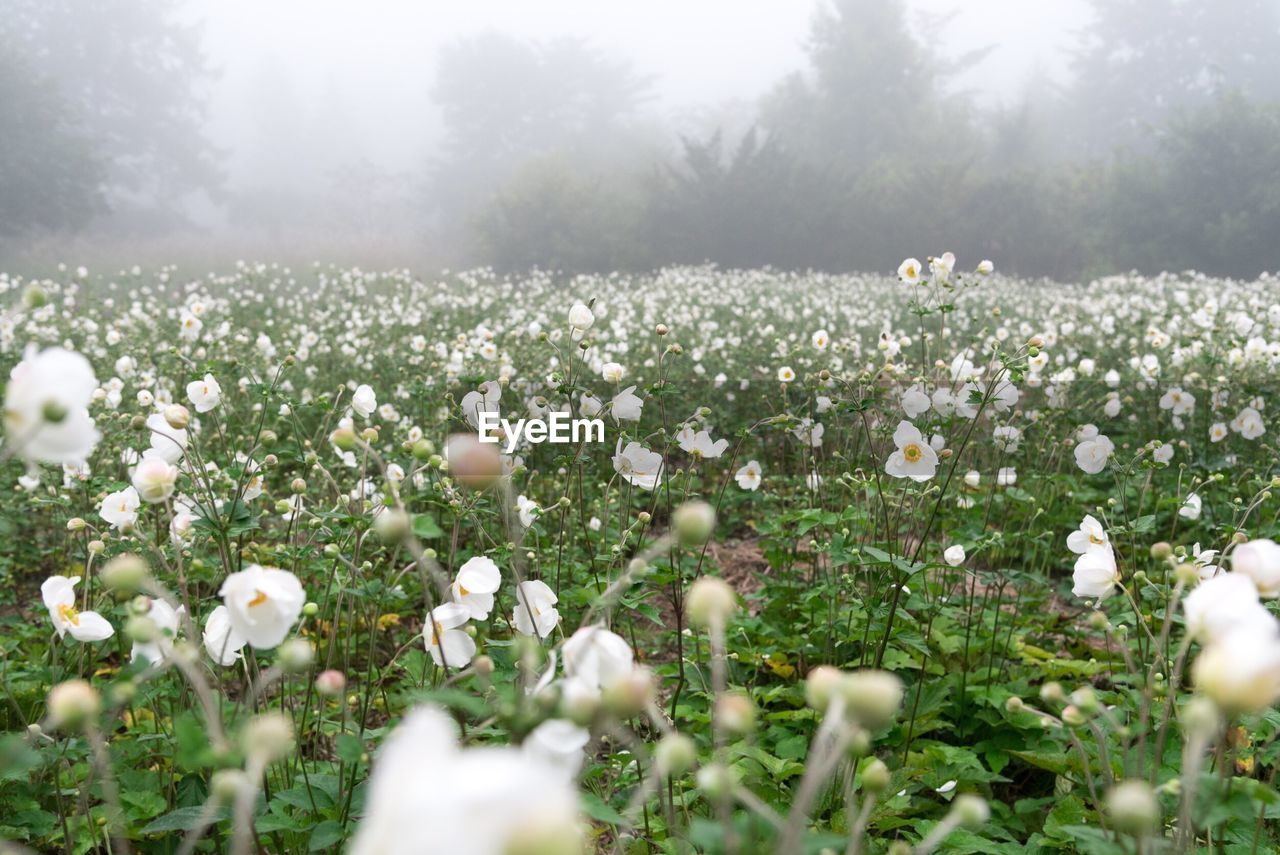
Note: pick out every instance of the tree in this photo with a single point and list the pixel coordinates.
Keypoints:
(129, 75)
(49, 177)
(1141, 59)
(505, 102)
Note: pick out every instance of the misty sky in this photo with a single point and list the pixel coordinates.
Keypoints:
(355, 77)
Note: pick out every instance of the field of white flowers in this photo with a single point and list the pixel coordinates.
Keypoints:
(937, 561)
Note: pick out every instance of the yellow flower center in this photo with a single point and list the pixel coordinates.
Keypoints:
(912, 453)
(462, 592)
(68, 613)
(258, 600)
(1097, 541)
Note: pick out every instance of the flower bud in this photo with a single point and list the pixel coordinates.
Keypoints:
(694, 522)
(296, 654)
(735, 713)
(872, 697)
(392, 525)
(268, 736)
(972, 811)
(1051, 693)
(821, 686)
(177, 416)
(1161, 550)
(331, 683)
(710, 601)
(344, 439)
(226, 784)
(546, 834)
(474, 463)
(715, 781)
(1133, 807)
(125, 573)
(298, 486)
(875, 777)
(72, 703)
(674, 755)
(76, 524)
(629, 695)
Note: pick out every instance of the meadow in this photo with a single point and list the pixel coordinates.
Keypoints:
(943, 561)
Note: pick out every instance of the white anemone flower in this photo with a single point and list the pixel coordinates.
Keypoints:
(427, 796)
(221, 641)
(154, 480)
(914, 459)
(597, 656)
(46, 402)
(749, 476)
(449, 645)
(477, 581)
(1223, 605)
(484, 400)
(1190, 509)
(167, 442)
(909, 271)
(1096, 574)
(165, 617)
(204, 394)
(1090, 535)
(638, 465)
(59, 597)
(263, 604)
(626, 406)
(120, 509)
(535, 610)
(700, 444)
(1260, 561)
(1092, 454)
(954, 555)
(364, 401)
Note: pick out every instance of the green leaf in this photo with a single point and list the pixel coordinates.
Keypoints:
(425, 527)
(594, 807)
(183, 819)
(325, 835)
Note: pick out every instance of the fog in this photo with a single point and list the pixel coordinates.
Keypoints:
(590, 136)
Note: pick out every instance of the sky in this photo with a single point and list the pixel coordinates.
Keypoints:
(369, 64)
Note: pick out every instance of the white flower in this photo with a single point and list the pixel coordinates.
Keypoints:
(1177, 401)
(914, 459)
(972, 479)
(985, 267)
(597, 657)
(749, 476)
(914, 401)
(940, 268)
(821, 340)
(221, 641)
(60, 599)
(474, 586)
(954, 555)
(1222, 605)
(1248, 423)
(154, 480)
(589, 405)
(638, 465)
(1090, 535)
(1190, 509)
(484, 400)
(909, 271)
(364, 401)
(1241, 671)
(1260, 561)
(581, 317)
(427, 796)
(1096, 574)
(449, 645)
(204, 394)
(559, 744)
(120, 509)
(189, 327)
(535, 608)
(165, 618)
(1217, 432)
(699, 443)
(1006, 476)
(46, 402)
(626, 406)
(263, 604)
(527, 509)
(1007, 438)
(167, 442)
(612, 372)
(785, 374)
(1092, 454)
